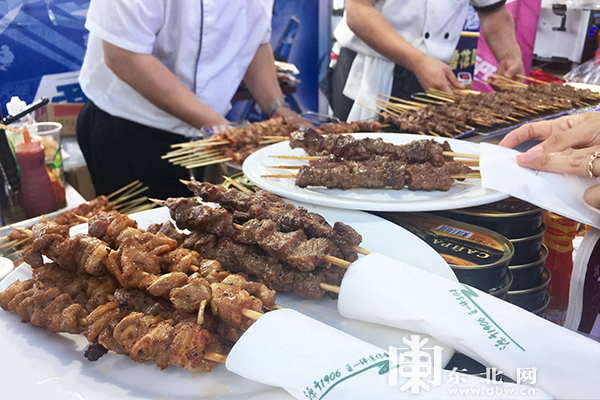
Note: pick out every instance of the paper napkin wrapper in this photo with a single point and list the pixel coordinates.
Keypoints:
(312, 360)
(492, 331)
(559, 193)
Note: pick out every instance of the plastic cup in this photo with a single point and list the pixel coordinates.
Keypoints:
(49, 134)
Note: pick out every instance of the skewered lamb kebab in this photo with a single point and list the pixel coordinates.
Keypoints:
(251, 260)
(293, 248)
(348, 147)
(379, 172)
(150, 338)
(144, 337)
(44, 307)
(69, 217)
(134, 267)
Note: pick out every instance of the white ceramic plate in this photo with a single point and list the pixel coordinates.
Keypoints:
(467, 193)
(38, 364)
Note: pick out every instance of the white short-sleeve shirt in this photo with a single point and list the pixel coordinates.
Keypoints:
(432, 26)
(207, 44)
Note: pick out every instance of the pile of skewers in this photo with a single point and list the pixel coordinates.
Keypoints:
(446, 114)
(344, 162)
(135, 292)
(235, 144)
(178, 295)
(127, 200)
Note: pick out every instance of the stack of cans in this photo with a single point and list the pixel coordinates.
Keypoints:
(478, 256)
(522, 223)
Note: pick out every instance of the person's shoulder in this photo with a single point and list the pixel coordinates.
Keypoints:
(487, 5)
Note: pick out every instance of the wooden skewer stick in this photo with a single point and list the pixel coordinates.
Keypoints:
(203, 143)
(280, 138)
(186, 151)
(398, 107)
(437, 96)
(307, 158)
(403, 101)
(210, 162)
(10, 128)
(424, 100)
(193, 143)
(511, 81)
(124, 188)
(143, 207)
(14, 243)
(289, 176)
(236, 184)
(532, 79)
(18, 252)
(124, 208)
(370, 109)
(285, 166)
(330, 288)
(248, 313)
(473, 175)
(362, 250)
(279, 176)
(464, 92)
(128, 196)
(460, 155)
(216, 357)
(316, 158)
(445, 96)
(23, 231)
(195, 157)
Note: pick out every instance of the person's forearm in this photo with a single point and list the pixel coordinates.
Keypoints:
(374, 29)
(155, 82)
(261, 77)
(498, 28)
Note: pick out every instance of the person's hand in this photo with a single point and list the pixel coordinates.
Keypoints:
(294, 118)
(510, 68)
(435, 74)
(568, 146)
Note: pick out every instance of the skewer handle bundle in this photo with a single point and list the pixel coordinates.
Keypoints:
(312, 360)
(492, 331)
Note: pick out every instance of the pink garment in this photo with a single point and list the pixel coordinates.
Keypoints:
(526, 15)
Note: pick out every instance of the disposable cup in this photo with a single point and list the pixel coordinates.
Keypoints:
(49, 134)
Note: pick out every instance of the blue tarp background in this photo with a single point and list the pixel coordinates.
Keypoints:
(42, 45)
(40, 38)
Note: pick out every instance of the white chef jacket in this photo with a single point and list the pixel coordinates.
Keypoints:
(207, 44)
(432, 26)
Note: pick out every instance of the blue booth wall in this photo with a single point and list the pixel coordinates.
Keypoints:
(304, 53)
(42, 45)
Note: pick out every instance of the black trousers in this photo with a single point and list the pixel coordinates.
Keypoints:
(404, 85)
(118, 151)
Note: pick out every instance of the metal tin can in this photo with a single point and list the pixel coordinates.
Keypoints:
(533, 298)
(529, 275)
(478, 256)
(511, 217)
(527, 249)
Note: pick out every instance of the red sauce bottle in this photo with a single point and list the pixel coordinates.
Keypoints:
(558, 238)
(36, 188)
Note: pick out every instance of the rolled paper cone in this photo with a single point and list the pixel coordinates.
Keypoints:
(559, 193)
(502, 336)
(311, 360)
